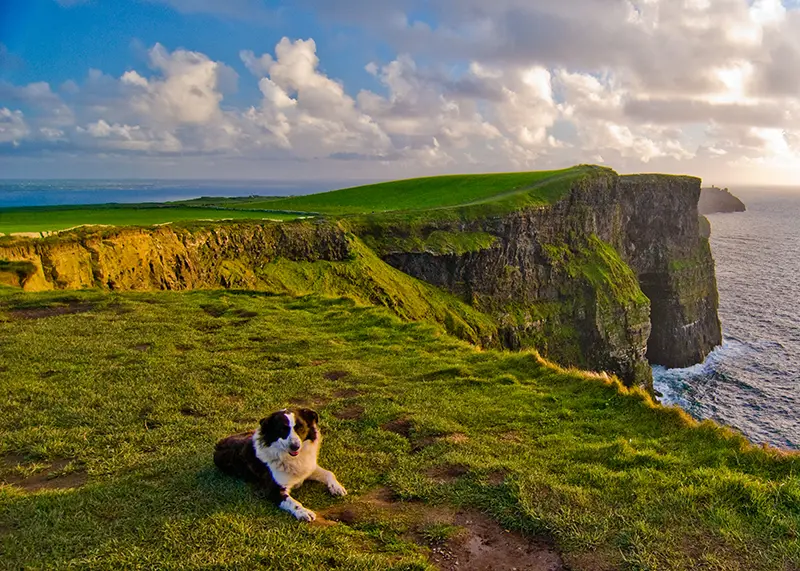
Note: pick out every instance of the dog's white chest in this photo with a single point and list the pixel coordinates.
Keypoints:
(289, 472)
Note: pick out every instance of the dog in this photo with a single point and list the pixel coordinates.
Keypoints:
(278, 456)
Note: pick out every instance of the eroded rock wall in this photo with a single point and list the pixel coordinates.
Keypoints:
(666, 244)
(171, 258)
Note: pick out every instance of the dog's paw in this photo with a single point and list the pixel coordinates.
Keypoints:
(304, 514)
(336, 489)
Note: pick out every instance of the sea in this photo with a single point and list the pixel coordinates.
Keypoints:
(750, 383)
(14, 193)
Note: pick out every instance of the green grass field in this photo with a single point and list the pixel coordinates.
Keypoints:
(534, 188)
(112, 404)
(478, 193)
(51, 219)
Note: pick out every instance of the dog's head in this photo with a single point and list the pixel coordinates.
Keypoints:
(288, 429)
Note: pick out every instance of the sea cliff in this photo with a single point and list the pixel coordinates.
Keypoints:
(719, 200)
(615, 274)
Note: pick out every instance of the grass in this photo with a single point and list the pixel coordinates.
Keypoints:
(471, 195)
(133, 390)
(535, 188)
(56, 218)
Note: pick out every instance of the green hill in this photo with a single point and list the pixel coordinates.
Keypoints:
(508, 189)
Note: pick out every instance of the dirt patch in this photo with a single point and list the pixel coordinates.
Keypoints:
(48, 479)
(497, 478)
(447, 473)
(456, 438)
(347, 393)
(244, 313)
(142, 347)
(419, 444)
(511, 436)
(51, 310)
(184, 348)
(352, 412)
(404, 427)
(214, 310)
(318, 362)
(401, 426)
(455, 539)
(47, 374)
(335, 375)
(483, 545)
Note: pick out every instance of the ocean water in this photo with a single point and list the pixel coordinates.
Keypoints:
(60, 192)
(751, 382)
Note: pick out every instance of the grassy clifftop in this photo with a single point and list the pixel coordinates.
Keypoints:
(509, 190)
(112, 404)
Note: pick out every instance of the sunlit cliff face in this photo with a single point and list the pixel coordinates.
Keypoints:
(702, 86)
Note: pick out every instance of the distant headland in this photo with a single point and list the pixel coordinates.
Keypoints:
(715, 200)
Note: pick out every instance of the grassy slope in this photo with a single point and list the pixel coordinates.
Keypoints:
(430, 193)
(369, 280)
(49, 219)
(615, 480)
(471, 194)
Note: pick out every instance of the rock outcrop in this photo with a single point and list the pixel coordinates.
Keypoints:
(169, 257)
(717, 200)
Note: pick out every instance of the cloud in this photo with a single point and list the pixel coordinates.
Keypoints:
(691, 86)
(304, 110)
(12, 126)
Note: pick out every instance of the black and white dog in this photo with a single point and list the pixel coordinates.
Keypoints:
(278, 456)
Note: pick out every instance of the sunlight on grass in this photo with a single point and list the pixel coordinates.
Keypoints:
(132, 391)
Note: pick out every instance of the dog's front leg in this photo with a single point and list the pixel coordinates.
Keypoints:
(327, 478)
(291, 505)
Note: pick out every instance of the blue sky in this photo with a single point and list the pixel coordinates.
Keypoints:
(356, 89)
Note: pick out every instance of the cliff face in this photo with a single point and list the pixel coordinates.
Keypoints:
(170, 258)
(566, 278)
(666, 244)
(713, 200)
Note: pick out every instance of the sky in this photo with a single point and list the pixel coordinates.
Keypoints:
(367, 90)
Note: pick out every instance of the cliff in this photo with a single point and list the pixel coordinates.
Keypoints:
(592, 269)
(613, 275)
(296, 258)
(714, 200)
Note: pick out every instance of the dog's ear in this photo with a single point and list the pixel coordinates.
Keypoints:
(309, 415)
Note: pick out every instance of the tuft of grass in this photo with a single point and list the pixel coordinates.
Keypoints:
(134, 390)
